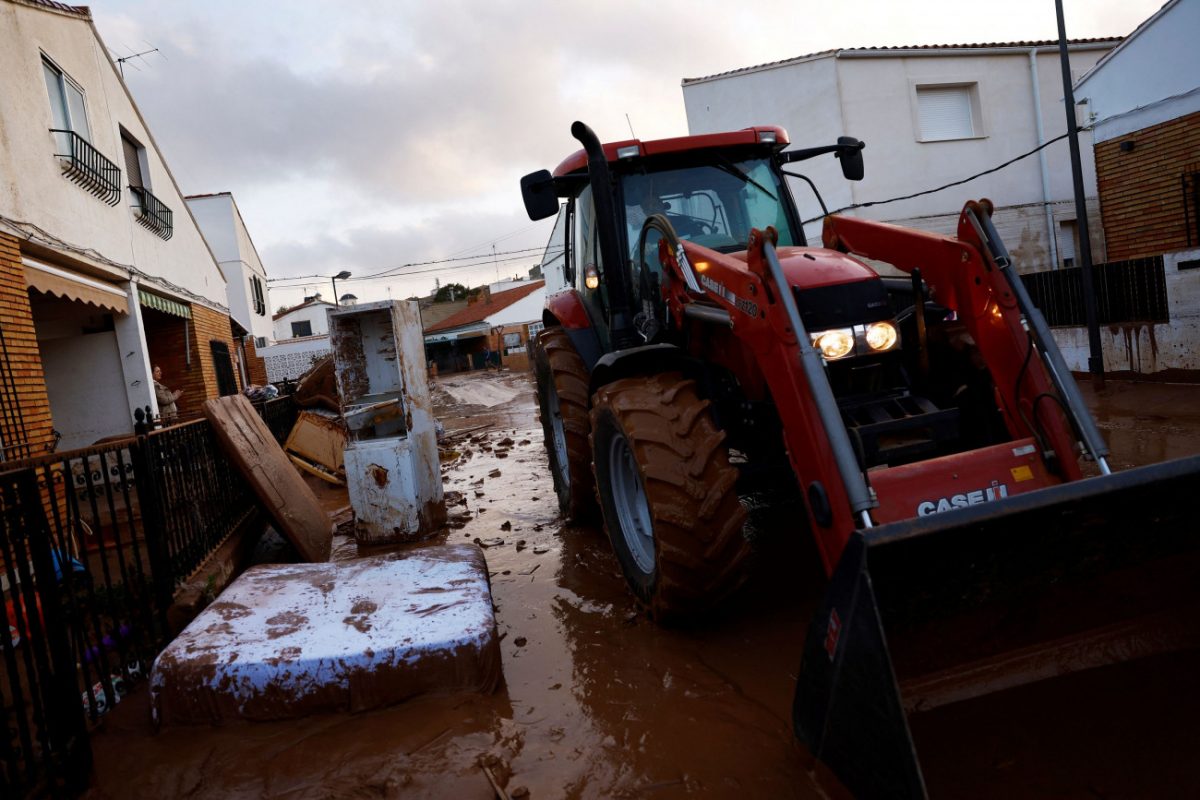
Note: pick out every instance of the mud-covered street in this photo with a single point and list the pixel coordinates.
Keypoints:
(598, 701)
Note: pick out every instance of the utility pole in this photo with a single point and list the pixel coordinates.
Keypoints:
(1095, 348)
(495, 262)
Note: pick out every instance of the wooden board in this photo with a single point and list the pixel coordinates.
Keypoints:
(284, 494)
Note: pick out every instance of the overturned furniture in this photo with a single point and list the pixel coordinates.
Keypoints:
(289, 640)
(391, 456)
(316, 445)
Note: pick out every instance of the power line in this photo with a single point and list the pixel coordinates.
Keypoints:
(477, 264)
(394, 271)
(997, 168)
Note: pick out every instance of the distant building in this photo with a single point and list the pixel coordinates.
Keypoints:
(306, 319)
(246, 279)
(301, 339)
(494, 323)
(929, 115)
(103, 270)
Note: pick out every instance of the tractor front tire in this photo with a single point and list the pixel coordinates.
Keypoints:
(562, 392)
(668, 495)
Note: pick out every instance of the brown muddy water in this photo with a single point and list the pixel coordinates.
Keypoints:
(597, 701)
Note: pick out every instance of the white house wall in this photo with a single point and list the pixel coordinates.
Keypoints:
(1152, 78)
(87, 404)
(527, 309)
(291, 359)
(876, 104)
(316, 314)
(222, 225)
(1145, 348)
(36, 191)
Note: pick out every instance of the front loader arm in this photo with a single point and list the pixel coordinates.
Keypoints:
(743, 291)
(962, 277)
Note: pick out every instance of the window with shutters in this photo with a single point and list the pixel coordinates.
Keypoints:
(148, 209)
(135, 161)
(258, 296)
(948, 111)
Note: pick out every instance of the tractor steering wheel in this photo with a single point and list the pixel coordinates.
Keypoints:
(686, 225)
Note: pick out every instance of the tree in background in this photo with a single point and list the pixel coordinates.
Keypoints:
(450, 292)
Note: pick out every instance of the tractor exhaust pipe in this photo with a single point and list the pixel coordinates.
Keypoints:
(615, 276)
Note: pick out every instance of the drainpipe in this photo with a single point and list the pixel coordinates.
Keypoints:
(1051, 233)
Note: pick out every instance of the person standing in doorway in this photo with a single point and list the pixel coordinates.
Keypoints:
(165, 397)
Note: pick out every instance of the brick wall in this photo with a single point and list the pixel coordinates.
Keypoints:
(256, 365)
(1141, 192)
(170, 345)
(20, 359)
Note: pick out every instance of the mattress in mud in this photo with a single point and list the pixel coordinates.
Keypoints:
(290, 640)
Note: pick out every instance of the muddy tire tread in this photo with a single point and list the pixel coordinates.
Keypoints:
(570, 376)
(701, 554)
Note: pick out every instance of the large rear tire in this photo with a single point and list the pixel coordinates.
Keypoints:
(562, 391)
(668, 494)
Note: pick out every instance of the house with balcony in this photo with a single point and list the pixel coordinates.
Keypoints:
(930, 115)
(246, 279)
(104, 273)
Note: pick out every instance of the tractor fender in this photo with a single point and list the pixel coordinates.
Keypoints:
(649, 359)
(566, 310)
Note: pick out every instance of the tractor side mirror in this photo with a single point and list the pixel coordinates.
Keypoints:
(849, 152)
(537, 189)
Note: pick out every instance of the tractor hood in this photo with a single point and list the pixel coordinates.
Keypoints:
(831, 288)
(815, 267)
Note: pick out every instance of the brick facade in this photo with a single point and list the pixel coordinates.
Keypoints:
(1141, 190)
(256, 365)
(167, 337)
(25, 399)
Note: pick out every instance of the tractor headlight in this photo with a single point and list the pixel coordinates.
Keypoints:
(860, 340)
(834, 344)
(881, 336)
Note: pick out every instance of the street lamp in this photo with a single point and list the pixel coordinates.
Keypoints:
(341, 276)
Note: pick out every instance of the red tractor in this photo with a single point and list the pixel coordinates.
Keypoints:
(929, 423)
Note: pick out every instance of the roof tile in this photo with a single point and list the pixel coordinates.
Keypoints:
(899, 48)
(479, 311)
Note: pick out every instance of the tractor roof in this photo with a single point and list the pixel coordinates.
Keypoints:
(577, 161)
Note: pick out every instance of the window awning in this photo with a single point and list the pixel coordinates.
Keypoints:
(72, 286)
(452, 336)
(164, 304)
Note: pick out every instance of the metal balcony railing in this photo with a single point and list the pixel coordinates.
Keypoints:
(84, 165)
(152, 212)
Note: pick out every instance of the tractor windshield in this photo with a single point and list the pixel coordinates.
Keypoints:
(714, 204)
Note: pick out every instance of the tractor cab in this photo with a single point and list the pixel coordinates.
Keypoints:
(711, 190)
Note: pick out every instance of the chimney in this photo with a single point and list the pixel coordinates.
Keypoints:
(487, 295)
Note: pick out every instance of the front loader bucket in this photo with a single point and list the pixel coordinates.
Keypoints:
(944, 608)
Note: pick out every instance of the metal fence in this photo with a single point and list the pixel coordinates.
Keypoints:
(280, 415)
(93, 544)
(1126, 291)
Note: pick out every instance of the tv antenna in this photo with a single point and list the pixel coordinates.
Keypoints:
(121, 61)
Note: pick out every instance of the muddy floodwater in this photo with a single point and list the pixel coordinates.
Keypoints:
(597, 701)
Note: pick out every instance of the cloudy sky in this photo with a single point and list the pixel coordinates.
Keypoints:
(375, 134)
